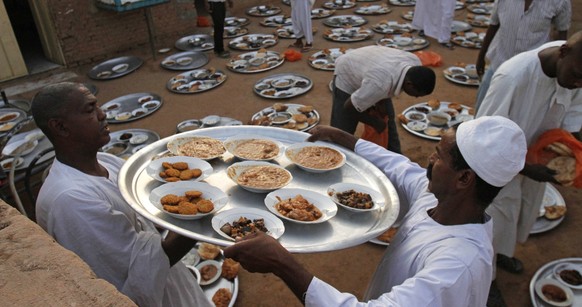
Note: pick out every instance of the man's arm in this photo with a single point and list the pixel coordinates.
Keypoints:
(177, 246)
(539, 172)
(378, 123)
(490, 34)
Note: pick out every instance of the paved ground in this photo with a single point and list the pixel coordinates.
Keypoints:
(350, 269)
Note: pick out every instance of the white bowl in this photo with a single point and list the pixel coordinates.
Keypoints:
(377, 198)
(292, 154)
(184, 61)
(233, 143)
(110, 106)
(195, 272)
(567, 266)
(212, 193)
(34, 136)
(237, 169)
(6, 164)
(402, 41)
(438, 118)
(283, 83)
(138, 138)
(543, 282)
(175, 146)
(139, 112)
(150, 105)
(214, 263)
(274, 225)
(115, 148)
(120, 68)
(417, 125)
(327, 207)
(23, 147)
(155, 167)
(123, 116)
(415, 116)
(471, 71)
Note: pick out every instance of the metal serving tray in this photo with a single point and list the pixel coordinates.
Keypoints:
(345, 230)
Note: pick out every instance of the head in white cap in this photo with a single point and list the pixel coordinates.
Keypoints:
(494, 147)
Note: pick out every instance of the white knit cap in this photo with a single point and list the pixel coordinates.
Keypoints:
(494, 147)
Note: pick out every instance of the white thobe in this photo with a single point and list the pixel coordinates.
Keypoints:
(87, 215)
(301, 18)
(435, 17)
(426, 264)
(373, 73)
(522, 92)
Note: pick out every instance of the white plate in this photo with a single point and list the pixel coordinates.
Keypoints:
(212, 193)
(233, 142)
(155, 167)
(235, 170)
(34, 136)
(138, 138)
(547, 281)
(5, 163)
(327, 207)
(292, 151)
(274, 225)
(377, 198)
(567, 266)
(23, 147)
(195, 272)
(175, 144)
(551, 197)
(214, 263)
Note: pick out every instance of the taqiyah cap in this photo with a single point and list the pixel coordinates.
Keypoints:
(494, 147)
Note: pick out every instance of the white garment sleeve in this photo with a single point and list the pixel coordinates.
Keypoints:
(112, 247)
(573, 120)
(499, 96)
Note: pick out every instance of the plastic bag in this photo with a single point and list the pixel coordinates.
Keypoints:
(539, 154)
(370, 134)
(429, 58)
(203, 21)
(292, 55)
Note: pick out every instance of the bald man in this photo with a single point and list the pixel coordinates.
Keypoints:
(539, 90)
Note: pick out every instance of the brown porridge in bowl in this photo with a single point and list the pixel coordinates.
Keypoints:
(318, 157)
(264, 177)
(256, 149)
(203, 148)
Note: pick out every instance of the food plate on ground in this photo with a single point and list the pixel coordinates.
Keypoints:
(181, 168)
(232, 32)
(169, 198)
(196, 81)
(280, 86)
(235, 224)
(123, 66)
(407, 15)
(458, 75)
(321, 13)
(481, 8)
(236, 21)
(255, 61)
(554, 293)
(196, 42)
(186, 60)
(468, 39)
(552, 197)
(287, 32)
(303, 117)
(120, 109)
(263, 10)
(339, 4)
(386, 237)
(301, 206)
(478, 20)
(440, 115)
(406, 42)
(344, 20)
(254, 148)
(121, 144)
(258, 176)
(459, 5)
(393, 27)
(373, 9)
(402, 2)
(315, 157)
(348, 34)
(277, 21)
(460, 26)
(355, 197)
(205, 148)
(325, 59)
(253, 42)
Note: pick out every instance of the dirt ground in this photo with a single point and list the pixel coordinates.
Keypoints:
(350, 269)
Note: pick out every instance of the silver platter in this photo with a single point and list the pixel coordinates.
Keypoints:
(264, 87)
(132, 148)
(443, 105)
(345, 230)
(547, 271)
(97, 72)
(236, 21)
(348, 35)
(418, 43)
(339, 4)
(253, 42)
(403, 2)
(460, 26)
(197, 59)
(459, 76)
(130, 103)
(242, 63)
(263, 10)
(321, 13)
(374, 9)
(196, 42)
(277, 21)
(345, 20)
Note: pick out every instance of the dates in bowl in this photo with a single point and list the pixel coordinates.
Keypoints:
(355, 197)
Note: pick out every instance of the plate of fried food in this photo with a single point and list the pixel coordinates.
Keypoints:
(235, 224)
(386, 237)
(172, 169)
(258, 176)
(254, 147)
(203, 147)
(355, 197)
(188, 200)
(552, 211)
(301, 206)
(315, 157)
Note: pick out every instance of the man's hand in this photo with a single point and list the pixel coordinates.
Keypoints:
(539, 172)
(334, 135)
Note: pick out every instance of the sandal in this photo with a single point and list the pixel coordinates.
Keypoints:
(306, 48)
(295, 45)
(448, 45)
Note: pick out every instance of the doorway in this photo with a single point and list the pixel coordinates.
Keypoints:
(26, 31)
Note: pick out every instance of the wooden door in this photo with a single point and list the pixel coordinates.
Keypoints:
(11, 62)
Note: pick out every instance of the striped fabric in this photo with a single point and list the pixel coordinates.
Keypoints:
(522, 31)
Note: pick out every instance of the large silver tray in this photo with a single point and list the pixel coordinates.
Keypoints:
(546, 271)
(345, 230)
(132, 62)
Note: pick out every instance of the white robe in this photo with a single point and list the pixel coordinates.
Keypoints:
(521, 92)
(427, 264)
(435, 17)
(87, 215)
(301, 17)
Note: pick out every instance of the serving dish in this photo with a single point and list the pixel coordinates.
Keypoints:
(341, 21)
(551, 197)
(130, 147)
(255, 61)
(205, 148)
(348, 34)
(287, 32)
(481, 8)
(373, 9)
(392, 27)
(196, 60)
(265, 118)
(274, 225)
(547, 282)
(321, 13)
(121, 109)
(209, 192)
(214, 263)
(339, 4)
(196, 42)
(404, 42)
(236, 170)
(276, 21)
(296, 85)
(196, 81)
(460, 26)
(263, 10)
(325, 205)
(334, 189)
(270, 148)
(232, 32)
(458, 75)
(407, 15)
(123, 65)
(478, 20)
(155, 167)
(468, 39)
(325, 59)
(342, 231)
(309, 150)
(432, 131)
(236, 21)
(253, 42)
